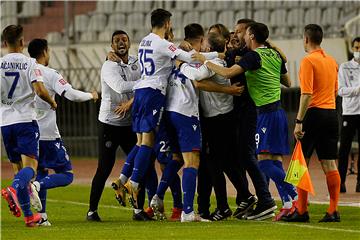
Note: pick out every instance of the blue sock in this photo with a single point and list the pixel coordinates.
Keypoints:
(291, 190)
(167, 177)
(20, 184)
(129, 163)
(56, 180)
(151, 183)
(189, 187)
(175, 188)
(43, 192)
(141, 163)
(273, 172)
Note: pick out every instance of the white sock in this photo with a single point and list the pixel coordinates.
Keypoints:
(136, 211)
(287, 205)
(135, 185)
(44, 215)
(37, 185)
(123, 179)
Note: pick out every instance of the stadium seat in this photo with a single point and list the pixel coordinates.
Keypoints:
(243, 14)
(135, 21)
(178, 33)
(330, 16)
(313, 15)
(227, 18)
(238, 5)
(184, 5)
(177, 20)
(140, 34)
(258, 5)
(97, 22)
(295, 17)
(273, 5)
(81, 22)
(88, 37)
(143, 6)
(223, 5)
(124, 6)
(105, 36)
(208, 18)
(6, 21)
(8, 9)
(105, 7)
(308, 4)
(291, 4)
(30, 9)
(262, 16)
(116, 21)
(278, 17)
(280, 33)
(191, 17)
(205, 5)
(54, 37)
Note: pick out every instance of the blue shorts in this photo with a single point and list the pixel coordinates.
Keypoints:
(21, 139)
(162, 145)
(272, 133)
(53, 155)
(184, 132)
(147, 109)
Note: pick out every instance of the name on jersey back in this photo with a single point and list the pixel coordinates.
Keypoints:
(14, 65)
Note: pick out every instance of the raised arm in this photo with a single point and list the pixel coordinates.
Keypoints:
(115, 81)
(79, 96)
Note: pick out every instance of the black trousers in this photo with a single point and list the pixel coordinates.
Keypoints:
(110, 138)
(218, 132)
(245, 125)
(350, 125)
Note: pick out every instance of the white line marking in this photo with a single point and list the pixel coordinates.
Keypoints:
(261, 222)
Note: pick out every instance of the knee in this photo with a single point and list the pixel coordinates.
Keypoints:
(69, 178)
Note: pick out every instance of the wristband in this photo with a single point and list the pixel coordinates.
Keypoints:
(298, 121)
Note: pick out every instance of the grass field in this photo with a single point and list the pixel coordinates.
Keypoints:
(67, 208)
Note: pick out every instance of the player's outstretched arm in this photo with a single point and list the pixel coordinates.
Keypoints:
(41, 91)
(80, 96)
(211, 86)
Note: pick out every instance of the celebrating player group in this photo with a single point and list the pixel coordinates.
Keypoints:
(210, 106)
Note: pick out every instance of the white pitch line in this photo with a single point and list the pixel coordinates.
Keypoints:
(267, 222)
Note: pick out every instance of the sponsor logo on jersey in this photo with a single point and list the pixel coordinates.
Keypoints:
(37, 72)
(263, 130)
(134, 67)
(172, 48)
(62, 81)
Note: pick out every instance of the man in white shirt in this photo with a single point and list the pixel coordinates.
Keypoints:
(53, 153)
(155, 57)
(20, 78)
(349, 90)
(117, 82)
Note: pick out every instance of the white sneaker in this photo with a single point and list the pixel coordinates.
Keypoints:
(44, 223)
(192, 217)
(34, 188)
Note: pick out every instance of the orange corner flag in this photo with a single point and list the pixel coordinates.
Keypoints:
(298, 173)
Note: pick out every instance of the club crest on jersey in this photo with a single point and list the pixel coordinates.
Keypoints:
(134, 67)
(263, 130)
(154, 112)
(172, 48)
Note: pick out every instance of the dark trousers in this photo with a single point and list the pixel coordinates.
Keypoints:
(219, 134)
(110, 138)
(245, 125)
(350, 125)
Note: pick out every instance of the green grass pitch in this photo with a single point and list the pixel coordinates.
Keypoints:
(67, 208)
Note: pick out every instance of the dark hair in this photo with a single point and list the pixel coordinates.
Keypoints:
(357, 39)
(12, 33)
(224, 31)
(245, 21)
(117, 32)
(193, 31)
(314, 33)
(260, 31)
(159, 17)
(216, 41)
(37, 47)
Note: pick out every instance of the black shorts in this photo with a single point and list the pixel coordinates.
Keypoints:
(321, 129)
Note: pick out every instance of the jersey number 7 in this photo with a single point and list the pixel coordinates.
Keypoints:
(145, 58)
(16, 76)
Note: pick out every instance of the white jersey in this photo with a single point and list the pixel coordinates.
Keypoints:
(349, 85)
(155, 56)
(117, 82)
(17, 94)
(46, 117)
(212, 103)
(182, 97)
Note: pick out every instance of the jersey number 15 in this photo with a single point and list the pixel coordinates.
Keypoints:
(145, 58)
